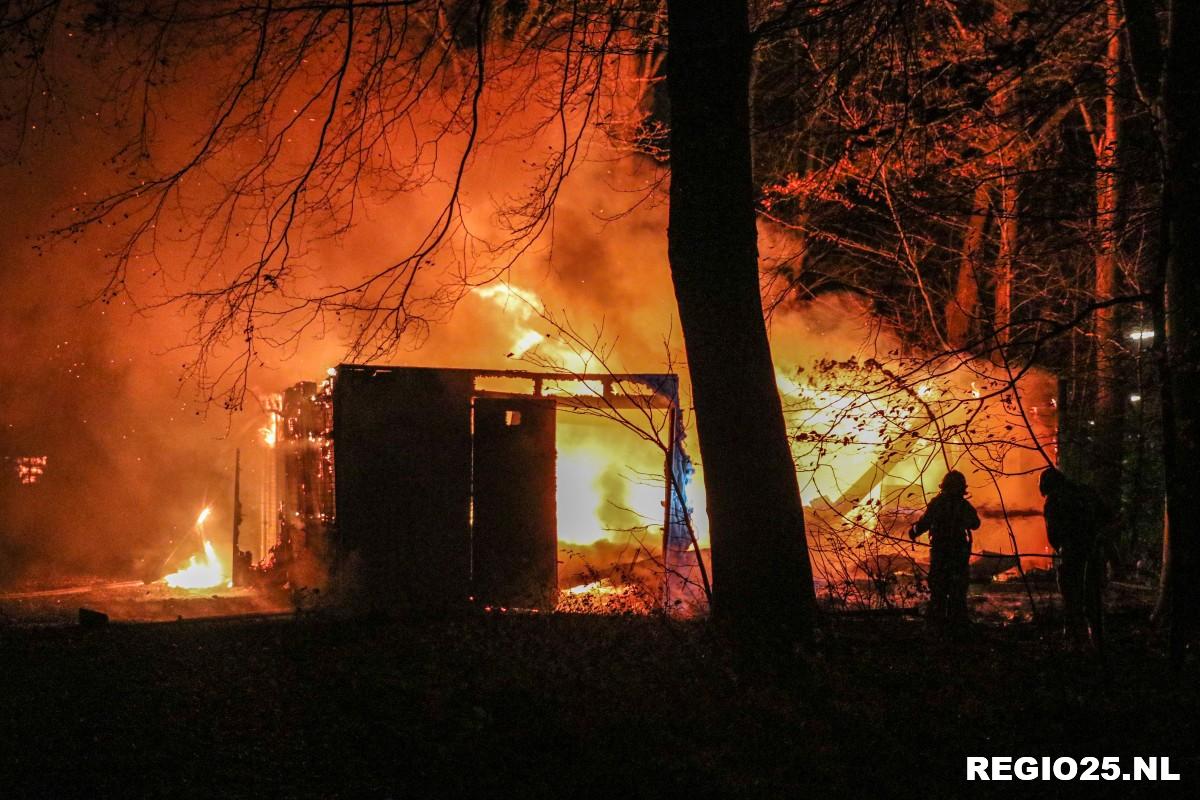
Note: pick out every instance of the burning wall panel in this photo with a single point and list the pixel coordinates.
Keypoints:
(448, 483)
(515, 523)
(305, 486)
(403, 461)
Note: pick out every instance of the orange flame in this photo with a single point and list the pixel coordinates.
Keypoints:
(270, 431)
(204, 570)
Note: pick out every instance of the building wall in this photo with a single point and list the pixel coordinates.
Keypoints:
(403, 465)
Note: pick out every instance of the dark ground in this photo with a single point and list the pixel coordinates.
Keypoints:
(563, 705)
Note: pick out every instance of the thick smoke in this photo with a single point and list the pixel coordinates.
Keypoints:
(136, 449)
(131, 456)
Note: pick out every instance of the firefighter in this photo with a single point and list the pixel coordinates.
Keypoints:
(950, 518)
(1075, 521)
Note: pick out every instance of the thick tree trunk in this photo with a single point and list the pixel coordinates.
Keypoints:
(762, 580)
(1109, 409)
(1177, 315)
(963, 308)
(1006, 216)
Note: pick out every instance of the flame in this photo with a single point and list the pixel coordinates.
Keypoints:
(602, 491)
(607, 482)
(872, 440)
(601, 586)
(524, 309)
(528, 341)
(270, 431)
(604, 597)
(203, 571)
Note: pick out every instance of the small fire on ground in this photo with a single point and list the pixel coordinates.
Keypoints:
(605, 597)
(204, 569)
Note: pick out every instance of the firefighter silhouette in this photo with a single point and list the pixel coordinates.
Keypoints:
(950, 518)
(1076, 517)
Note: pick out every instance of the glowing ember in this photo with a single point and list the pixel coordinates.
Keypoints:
(30, 469)
(605, 597)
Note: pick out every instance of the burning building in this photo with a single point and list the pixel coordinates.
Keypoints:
(424, 487)
(23, 501)
(302, 502)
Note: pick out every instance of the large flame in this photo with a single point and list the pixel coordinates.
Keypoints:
(873, 438)
(873, 432)
(605, 472)
(204, 570)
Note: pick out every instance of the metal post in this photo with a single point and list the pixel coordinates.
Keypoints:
(235, 564)
(669, 484)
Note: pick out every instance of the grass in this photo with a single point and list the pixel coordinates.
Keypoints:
(565, 705)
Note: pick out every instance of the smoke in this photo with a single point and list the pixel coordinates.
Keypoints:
(136, 446)
(130, 457)
(133, 450)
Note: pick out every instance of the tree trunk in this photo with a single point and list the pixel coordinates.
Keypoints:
(1177, 312)
(1110, 406)
(963, 308)
(762, 580)
(1181, 208)
(1002, 306)
(1008, 113)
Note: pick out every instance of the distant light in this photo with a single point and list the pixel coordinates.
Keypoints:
(331, 372)
(1135, 398)
(1138, 336)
